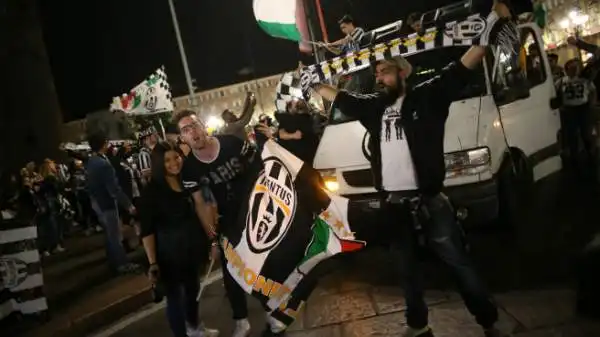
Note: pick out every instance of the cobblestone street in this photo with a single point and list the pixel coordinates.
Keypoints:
(352, 307)
(529, 270)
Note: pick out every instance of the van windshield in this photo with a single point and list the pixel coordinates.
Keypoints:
(426, 65)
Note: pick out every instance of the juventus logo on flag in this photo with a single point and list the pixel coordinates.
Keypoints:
(272, 207)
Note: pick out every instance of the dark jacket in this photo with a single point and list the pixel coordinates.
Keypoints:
(304, 148)
(102, 184)
(181, 244)
(424, 114)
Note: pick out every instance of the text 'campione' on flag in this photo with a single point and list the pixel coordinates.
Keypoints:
(289, 225)
(152, 96)
(285, 19)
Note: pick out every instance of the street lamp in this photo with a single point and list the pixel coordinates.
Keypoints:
(575, 20)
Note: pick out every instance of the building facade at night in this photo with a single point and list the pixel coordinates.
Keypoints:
(213, 102)
(210, 103)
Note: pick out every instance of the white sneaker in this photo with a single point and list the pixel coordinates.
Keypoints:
(60, 249)
(275, 325)
(242, 328)
(202, 332)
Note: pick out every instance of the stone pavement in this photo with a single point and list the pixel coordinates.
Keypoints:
(346, 306)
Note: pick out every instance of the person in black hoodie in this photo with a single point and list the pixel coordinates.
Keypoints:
(296, 130)
(175, 244)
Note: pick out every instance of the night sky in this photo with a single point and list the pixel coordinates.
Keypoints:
(100, 49)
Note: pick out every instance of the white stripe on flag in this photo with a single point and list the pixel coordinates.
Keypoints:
(33, 306)
(19, 234)
(32, 281)
(293, 164)
(29, 256)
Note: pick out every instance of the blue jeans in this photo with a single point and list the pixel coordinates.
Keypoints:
(109, 219)
(444, 238)
(182, 306)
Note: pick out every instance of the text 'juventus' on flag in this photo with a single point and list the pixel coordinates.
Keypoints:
(285, 19)
(289, 224)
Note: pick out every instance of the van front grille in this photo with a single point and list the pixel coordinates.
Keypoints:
(358, 178)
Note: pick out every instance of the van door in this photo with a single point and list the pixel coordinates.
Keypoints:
(530, 124)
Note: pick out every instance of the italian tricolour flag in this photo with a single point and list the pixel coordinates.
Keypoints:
(283, 19)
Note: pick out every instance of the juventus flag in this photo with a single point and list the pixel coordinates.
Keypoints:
(289, 224)
(21, 279)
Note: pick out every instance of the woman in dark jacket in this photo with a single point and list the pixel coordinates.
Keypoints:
(175, 243)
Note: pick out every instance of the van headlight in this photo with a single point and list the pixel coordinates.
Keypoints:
(330, 180)
(468, 162)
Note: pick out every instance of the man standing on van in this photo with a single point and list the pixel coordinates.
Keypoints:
(352, 41)
(410, 169)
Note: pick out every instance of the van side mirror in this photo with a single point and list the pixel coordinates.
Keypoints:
(555, 103)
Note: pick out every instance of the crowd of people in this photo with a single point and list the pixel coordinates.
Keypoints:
(181, 191)
(53, 195)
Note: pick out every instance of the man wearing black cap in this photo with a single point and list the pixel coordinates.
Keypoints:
(406, 127)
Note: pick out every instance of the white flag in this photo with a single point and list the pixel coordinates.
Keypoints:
(149, 97)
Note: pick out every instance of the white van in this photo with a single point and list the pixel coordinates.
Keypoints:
(500, 138)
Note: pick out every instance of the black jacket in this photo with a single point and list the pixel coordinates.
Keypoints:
(424, 114)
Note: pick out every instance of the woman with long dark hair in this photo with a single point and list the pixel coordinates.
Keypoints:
(175, 243)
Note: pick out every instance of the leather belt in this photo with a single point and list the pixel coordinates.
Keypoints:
(402, 197)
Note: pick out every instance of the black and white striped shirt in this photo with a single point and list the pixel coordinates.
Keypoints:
(63, 173)
(355, 40)
(144, 160)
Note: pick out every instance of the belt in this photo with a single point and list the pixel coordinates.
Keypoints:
(402, 197)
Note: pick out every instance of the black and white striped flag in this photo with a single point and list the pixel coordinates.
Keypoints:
(289, 224)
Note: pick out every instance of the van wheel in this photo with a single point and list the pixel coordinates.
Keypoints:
(514, 189)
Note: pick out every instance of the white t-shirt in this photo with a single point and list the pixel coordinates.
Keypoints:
(397, 168)
(575, 91)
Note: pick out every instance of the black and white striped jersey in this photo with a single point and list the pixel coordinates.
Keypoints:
(144, 160)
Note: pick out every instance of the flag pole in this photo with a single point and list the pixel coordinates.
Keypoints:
(184, 62)
(308, 11)
(322, 20)
(250, 55)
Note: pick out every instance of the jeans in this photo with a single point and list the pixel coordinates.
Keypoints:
(235, 294)
(444, 238)
(84, 212)
(577, 125)
(109, 219)
(49, 232)
(182, 306)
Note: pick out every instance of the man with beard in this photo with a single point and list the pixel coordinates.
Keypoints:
(219, 163)
(409, 170)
